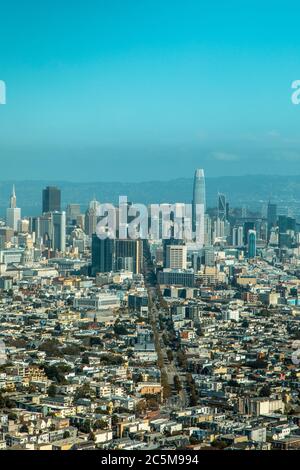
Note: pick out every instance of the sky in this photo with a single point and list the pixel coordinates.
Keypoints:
(136, 90)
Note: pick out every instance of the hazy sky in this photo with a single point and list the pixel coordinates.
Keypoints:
(148, 89)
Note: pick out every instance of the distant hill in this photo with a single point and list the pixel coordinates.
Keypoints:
(252, 190)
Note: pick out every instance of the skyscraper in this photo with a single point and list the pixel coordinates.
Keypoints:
(13, 198)
(251, 244)
(199, 204)
(176, 257)
(51, 199)
(207, 230)
(166, 243)
(221, 206)
(59, 231)
(90, 221)
(129, 255)
(13, 213)
(238, 236)
(271, 216)
(110, 254)
(73, 211)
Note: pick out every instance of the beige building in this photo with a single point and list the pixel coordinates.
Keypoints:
(176, 257)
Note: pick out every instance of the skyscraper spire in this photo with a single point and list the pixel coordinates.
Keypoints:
(199, 203)
(13, 198)
(13, 213)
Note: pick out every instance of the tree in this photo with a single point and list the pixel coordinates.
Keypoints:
(233, 383)
(108, 359)
(181, 357)
(170, 355)
(85, 427)
(83, 392)
(95, 341)
(265, 391)
(6, 402)
(51, 347)
(24, 428)
(52, 391)
(218, 444)
(120, 329)
(166, 387)
(57, 372)
(177, 383)
(100, 424)
(71, 350)
(85, 359)
(141, 407)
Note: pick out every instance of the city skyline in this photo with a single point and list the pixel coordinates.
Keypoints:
(149, 230)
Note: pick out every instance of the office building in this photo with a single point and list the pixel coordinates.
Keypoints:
(72, 213)
(103, 254)
(251, 244)
(90, 221)
(176, 277)
(207, 230)
(209, 256)
(59, 231)
(13, 213)
(198, 206)
(271, 216)
(238, 236)
(110, 254)
(129, 255)
(166, 243)
(222, 207)
(176, 256)
(51, 199)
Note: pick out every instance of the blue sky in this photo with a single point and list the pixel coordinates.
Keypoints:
(139, 90)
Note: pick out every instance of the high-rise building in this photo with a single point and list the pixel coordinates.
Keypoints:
(129, 255)
(199, 205)
(271, 215)
(13, 213)
(207, 230)
(103, 254)
(111, 254)
(238, 236)
(209, 256)
(73, 211)
(90, 221)
(219, 228)
(59, 231)
(167, 242)
(251, 244)
(222, 207)
(248, 226)
(51, 199)
(43, 228)
(95, 206)
(285, 240)
(176, 256)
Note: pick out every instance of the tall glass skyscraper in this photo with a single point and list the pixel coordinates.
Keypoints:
(199, 203)
(51, 199)
(251, 244)
(222, 206)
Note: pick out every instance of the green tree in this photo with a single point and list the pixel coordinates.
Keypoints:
(51, 391)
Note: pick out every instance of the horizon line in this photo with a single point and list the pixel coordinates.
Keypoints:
(48, 181)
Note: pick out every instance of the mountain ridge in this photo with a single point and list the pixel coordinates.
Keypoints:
(247, 189)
